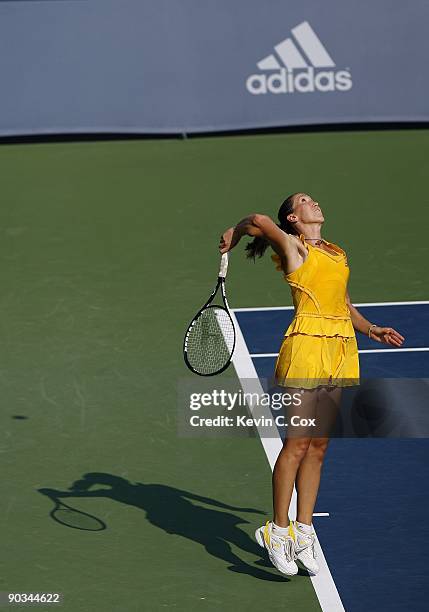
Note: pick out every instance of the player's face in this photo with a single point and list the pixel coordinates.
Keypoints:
(307, 209)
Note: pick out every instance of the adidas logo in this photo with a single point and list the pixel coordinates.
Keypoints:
(300, 65)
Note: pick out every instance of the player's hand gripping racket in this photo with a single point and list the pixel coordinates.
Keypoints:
(210, 338)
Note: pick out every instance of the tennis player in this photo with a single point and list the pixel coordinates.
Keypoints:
(319, 356)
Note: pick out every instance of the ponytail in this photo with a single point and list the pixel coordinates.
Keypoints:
(258, 246)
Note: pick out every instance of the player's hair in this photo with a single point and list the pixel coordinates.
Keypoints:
(259, 245)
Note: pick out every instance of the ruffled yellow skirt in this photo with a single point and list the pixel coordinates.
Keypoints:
(309, 361)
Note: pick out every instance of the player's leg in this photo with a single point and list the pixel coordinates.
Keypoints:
(310, 468)
(308, 478)
(277, 535)
(294, 450)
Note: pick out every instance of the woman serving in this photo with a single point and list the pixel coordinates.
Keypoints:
(319, 356)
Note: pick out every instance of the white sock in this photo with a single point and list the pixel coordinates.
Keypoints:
(303, 527)
(281, 531)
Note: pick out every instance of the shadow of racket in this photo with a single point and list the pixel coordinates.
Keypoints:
(71, 517)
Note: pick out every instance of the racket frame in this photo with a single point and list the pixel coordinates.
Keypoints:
(220, 283)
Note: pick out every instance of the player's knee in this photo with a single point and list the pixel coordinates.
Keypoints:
(297, 449)
(317, 449)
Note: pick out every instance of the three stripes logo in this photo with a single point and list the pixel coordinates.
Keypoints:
(299, 64)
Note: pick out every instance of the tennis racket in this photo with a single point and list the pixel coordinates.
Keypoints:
(210, 338)
(76, 519)
(70, 517)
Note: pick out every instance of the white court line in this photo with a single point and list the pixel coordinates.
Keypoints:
(398, 350)
(360, 304)
(323, 583)
(263, 308)
(395, 350)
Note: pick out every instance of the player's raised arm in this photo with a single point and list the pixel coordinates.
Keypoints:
(261, 227)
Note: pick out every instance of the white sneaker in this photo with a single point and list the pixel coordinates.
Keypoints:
(280, 548)
(304, 549)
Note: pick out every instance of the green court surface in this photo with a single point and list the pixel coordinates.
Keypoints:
(107, 250)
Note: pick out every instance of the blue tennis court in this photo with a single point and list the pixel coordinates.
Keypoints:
(263, 330)
(373, 490)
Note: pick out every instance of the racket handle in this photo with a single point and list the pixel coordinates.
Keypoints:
(223, 265)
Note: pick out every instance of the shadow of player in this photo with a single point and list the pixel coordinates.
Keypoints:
(174, 511)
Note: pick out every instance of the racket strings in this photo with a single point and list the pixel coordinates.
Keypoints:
(211, 340)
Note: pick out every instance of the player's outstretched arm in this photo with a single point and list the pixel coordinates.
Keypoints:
(387, 335)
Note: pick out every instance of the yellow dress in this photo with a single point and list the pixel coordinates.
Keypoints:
(319, 346)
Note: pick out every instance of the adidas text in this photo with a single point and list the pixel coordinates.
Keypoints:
(303, 81)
